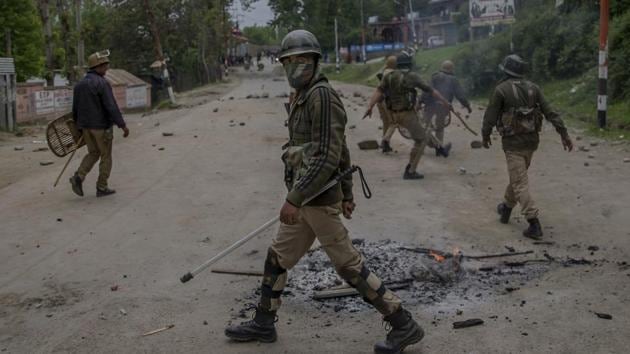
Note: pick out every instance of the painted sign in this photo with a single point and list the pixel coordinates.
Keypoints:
(491, 12)
(63, 99)
(136, 96)
(44, 102)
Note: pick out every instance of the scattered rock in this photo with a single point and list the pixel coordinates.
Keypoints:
(205, 323)
(604, 316)
(586, 164)
(161, 148)
(46, 163)
(584, 148)
(167, 134)
(101, 316)
(113, 288)
(578, 138)
(352, 127)
(461, 171)
(626, 160)
(459, 312)
(476, 144)
(591, 156)
(41, 149)
(368, 145)
(231, 98)
(251, 253)
(215, 110)
(594, 143)
(357, 94)
(157, 124)
(593, 248)
(123, 312)
(265, 95)
(18, 148)
(59, 219)
(49, 315)
(241, 124)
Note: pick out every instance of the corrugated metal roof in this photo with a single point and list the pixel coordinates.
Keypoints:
(7, 66)
(123, 77)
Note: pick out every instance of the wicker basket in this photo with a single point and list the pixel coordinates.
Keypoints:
(63, 136)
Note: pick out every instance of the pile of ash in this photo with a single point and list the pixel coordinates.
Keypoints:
(420, 276)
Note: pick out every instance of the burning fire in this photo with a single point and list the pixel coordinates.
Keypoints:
(437, 256)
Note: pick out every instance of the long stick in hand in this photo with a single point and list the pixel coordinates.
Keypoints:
(67, 162)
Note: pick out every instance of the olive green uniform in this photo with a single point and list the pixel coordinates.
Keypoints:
(315, 153)
(399, 88)
(520, 138)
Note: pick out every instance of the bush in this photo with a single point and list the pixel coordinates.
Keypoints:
(619, 59)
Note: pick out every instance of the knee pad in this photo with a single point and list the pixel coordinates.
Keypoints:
(273, 282)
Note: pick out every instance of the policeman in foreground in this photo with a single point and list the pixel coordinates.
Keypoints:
(95, 111)
(516, 109)
(316, 152)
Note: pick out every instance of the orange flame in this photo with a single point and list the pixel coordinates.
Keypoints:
(437, 257)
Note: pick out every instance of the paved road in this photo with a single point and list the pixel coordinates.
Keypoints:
(215, 180)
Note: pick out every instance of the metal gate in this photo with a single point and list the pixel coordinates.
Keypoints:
(7, 94)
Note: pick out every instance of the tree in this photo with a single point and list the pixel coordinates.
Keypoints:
(19, 23)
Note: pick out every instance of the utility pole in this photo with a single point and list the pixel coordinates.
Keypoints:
(363, 53)
(337, 68)
(413, 26)
(158, 50)
(602, 97)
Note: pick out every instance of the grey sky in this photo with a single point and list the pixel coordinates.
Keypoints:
(259, 14)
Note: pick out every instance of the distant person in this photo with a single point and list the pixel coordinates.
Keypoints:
(517, 108)
(398, 88)
(388, 126)
(445, 82)
(95, 111)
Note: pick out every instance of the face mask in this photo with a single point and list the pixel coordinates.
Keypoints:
(299, 74)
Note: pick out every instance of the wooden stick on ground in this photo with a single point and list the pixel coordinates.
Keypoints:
(253, 273)
(510, 254)
(348, 291)
(158, 330)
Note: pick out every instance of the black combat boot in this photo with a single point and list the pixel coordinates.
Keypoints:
(405, 331)
(77, 185)
(104, 192)
(385, 146)
(261, 328)
(534, 230)
(412, 174)
(505, 213)
(444, 150)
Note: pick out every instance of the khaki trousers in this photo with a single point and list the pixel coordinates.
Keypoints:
(440, 112)
(412, 122)
(387, 121)
(99, 145)
(293, 241)
(517, 190)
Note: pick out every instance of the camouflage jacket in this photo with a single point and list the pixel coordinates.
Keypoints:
(505, 98)
(317, 148)
(399, 89)
(448, 86)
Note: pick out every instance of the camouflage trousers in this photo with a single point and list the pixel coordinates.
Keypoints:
(293, 241)
(517, 190)
(99, 145)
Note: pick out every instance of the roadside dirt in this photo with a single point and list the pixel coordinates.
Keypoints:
(85, 275)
